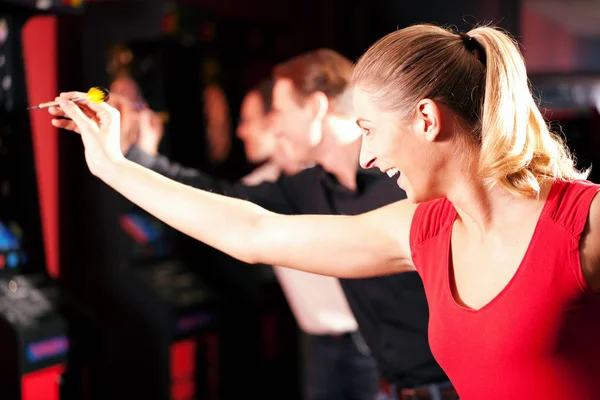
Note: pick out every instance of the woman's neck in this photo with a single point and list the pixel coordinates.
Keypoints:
(483, 209)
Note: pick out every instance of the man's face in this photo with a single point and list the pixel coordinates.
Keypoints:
(127, 88)
(255, 129)
(292, 121)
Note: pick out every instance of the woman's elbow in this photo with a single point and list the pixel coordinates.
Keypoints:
(251, 244)
(260, 243)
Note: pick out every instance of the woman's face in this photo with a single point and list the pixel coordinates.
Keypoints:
(406, 150)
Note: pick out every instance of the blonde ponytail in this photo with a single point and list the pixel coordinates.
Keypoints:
(518, 151)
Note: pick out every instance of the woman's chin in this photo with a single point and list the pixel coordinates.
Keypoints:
(405, 185)
(400, 181)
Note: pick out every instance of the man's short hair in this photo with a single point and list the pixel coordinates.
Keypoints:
(320, 70)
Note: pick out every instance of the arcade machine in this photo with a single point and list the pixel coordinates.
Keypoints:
(171, 73)
(34, 330)
(157, 322)
(151, 65)
(245, 52)
(166, 294)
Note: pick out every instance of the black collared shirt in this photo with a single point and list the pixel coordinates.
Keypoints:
(391, 311)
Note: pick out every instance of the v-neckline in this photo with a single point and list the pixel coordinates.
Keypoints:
(449, 263)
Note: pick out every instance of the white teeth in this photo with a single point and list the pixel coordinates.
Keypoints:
(391, 172)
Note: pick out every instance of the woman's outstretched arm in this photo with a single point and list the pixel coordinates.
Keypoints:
(375, 243)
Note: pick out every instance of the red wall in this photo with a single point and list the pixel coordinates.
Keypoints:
(39, 52)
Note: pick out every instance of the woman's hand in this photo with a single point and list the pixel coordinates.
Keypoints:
(130, 119)
(151, 131)
(99, 127)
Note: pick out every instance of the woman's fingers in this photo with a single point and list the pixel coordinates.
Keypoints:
(67, 124)
(76, 114)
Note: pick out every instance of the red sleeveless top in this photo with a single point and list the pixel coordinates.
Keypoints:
(539, 338)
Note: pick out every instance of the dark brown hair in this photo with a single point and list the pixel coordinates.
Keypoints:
(265, 90)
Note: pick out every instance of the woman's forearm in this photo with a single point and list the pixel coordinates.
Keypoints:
(340, 246)
(224, 223)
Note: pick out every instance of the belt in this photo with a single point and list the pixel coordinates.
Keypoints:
(446, 393)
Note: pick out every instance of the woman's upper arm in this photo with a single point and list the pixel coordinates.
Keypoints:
(395, 220)
(590, 246)
(371, 244)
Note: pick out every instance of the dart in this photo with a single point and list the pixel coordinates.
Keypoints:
(95, 95)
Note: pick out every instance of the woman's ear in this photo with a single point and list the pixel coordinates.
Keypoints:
(428, 119)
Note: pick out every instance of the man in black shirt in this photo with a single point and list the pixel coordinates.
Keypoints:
(391, 311)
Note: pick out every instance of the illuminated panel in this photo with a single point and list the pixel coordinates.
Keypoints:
(47, 348)
(43, 384)
(183, 370)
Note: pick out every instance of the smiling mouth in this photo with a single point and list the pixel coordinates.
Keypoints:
(392, 172)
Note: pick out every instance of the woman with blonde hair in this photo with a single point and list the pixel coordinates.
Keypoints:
(500, 225)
